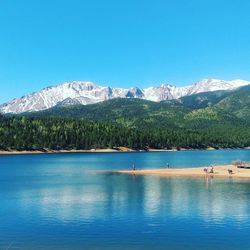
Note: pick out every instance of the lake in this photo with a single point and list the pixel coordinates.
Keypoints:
(69, 201)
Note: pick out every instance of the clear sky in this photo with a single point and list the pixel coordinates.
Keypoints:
(121, 42)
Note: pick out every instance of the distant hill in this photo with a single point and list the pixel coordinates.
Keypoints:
(204, 100)
(133, 112)
(237, 104)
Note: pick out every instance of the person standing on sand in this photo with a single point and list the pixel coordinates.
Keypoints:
(133, 166)
(212, 170)
(168, 165)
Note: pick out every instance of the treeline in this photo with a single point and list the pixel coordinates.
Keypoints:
(23, 133)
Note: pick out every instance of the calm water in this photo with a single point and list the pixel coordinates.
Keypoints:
(66, 202)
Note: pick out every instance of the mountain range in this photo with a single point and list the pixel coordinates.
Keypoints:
(217, 118)
(84, 93)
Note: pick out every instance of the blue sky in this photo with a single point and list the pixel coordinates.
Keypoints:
(121, 43)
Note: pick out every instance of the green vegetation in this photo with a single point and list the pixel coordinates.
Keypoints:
(21, 133)
(219, 119)
(56, 133)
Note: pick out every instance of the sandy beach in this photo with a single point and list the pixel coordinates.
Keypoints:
(106, 150)
(48, 151)
(219, 171)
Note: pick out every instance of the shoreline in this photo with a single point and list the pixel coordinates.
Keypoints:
(107, 150)
(219, 171)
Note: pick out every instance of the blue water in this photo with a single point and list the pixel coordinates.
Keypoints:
(65, 202)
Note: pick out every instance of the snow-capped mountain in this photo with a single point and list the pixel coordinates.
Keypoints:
(208, 85)
(82, 92)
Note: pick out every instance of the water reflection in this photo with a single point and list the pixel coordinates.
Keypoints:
(118, 195)
(59, 202)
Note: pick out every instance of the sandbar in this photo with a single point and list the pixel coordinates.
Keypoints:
(219, 171)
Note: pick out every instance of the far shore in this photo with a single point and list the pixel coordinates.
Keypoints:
(106, 150)
(218, 171)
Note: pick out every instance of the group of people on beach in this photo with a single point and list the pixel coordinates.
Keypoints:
(207, 171)
(211, 171)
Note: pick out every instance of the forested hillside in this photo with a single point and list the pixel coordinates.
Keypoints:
(20, 133)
